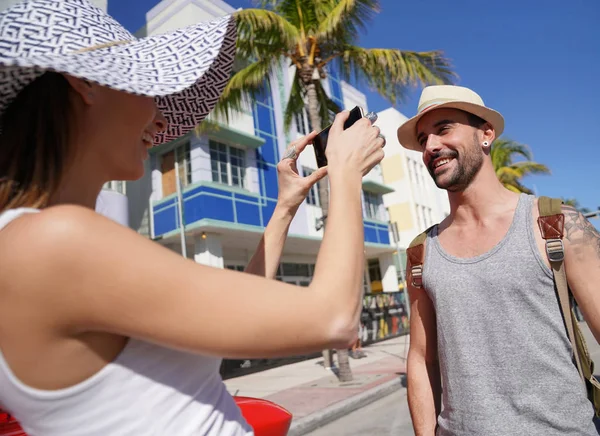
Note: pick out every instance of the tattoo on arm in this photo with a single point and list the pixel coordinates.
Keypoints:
(579, 231)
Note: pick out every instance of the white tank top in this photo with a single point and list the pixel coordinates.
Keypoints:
(147, 390)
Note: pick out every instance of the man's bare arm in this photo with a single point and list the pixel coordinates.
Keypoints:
(582, 264)
(424, 386)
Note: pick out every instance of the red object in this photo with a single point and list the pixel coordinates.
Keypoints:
(9, 425)
(265, 417)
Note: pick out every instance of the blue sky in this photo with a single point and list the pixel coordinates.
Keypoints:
(538, 63)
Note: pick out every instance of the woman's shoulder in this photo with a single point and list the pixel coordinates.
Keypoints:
(35, 244)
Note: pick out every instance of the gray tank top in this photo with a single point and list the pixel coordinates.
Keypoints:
(504, 353)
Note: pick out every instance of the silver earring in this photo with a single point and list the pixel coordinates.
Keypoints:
(486, 144)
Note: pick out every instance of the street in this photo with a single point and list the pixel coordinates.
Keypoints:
(390, 415)
(387, 416)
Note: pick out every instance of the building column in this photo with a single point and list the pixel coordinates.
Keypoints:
(389, 273)
(208, 250)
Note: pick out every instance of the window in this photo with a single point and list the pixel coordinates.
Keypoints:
(373, 204)
(415, 172)
(115, 185)
(331, 115)
(374, 275)
(422, 171)
(420, 218)
(295, 270)
(409, 167)
(402, 257)
(303, 124)
(374, 270)
(181, 155)
(366, 285)
(313, 195)
(228, 164)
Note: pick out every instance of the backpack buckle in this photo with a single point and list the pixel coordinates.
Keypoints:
(555, 250)
(416, 273)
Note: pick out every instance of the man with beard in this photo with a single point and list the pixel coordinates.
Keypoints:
(485, 320)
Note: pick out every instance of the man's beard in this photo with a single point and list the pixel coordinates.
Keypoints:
(466, 167)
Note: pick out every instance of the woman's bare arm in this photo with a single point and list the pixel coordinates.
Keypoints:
(90, 274)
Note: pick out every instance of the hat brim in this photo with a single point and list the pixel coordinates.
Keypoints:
(407, 132)
(185, 70)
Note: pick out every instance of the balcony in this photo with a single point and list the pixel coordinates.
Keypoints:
(234, 208)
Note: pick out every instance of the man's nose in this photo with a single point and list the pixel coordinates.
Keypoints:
(432, 146)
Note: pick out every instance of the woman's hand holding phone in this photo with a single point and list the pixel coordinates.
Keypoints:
(356, 149)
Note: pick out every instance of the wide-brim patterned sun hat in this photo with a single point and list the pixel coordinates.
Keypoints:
(185, 70)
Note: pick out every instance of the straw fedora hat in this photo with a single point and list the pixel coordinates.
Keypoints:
(184, 70)
(447, 96)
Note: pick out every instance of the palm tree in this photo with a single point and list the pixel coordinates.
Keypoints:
(509, 171)
(575, 203)
(312, 36)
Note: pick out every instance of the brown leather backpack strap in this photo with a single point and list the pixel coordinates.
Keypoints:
(416, 258)
(552, 224)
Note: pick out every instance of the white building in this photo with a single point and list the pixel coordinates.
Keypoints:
(416, 203)
(229, 179)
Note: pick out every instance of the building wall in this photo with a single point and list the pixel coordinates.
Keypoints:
(416, 202)
(241, 213)
(175, 14)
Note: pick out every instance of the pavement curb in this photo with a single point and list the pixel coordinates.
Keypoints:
(315, 420)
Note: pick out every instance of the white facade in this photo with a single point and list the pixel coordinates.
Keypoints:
(416, 202)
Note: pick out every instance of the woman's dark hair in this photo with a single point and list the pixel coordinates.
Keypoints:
(35, 135)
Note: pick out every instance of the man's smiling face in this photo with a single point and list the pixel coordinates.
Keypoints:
(451, 149)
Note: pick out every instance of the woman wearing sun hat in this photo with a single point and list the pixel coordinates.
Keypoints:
(103, 332)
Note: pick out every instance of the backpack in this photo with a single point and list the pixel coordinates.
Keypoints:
(551, 223)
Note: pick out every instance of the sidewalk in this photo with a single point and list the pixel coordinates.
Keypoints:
(315, 396)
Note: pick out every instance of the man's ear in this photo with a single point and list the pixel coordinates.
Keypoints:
(84, 88)
(489, 134)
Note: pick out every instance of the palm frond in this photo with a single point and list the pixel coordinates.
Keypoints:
(510, 171)
(301, 13)
(504, 151)
(344, 19)
(246, 85)
(296, 103)
(573, 202)
(207, 126)
(265, 4)
(516, 188)
(392, 71)
(327, 107)
(527, 167)
(261, 32)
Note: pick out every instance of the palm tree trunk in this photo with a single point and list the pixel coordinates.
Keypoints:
(345, 372)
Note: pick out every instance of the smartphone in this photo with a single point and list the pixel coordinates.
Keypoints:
(320, 141)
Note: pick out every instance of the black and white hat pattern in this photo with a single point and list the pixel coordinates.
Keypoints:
(185, 70)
